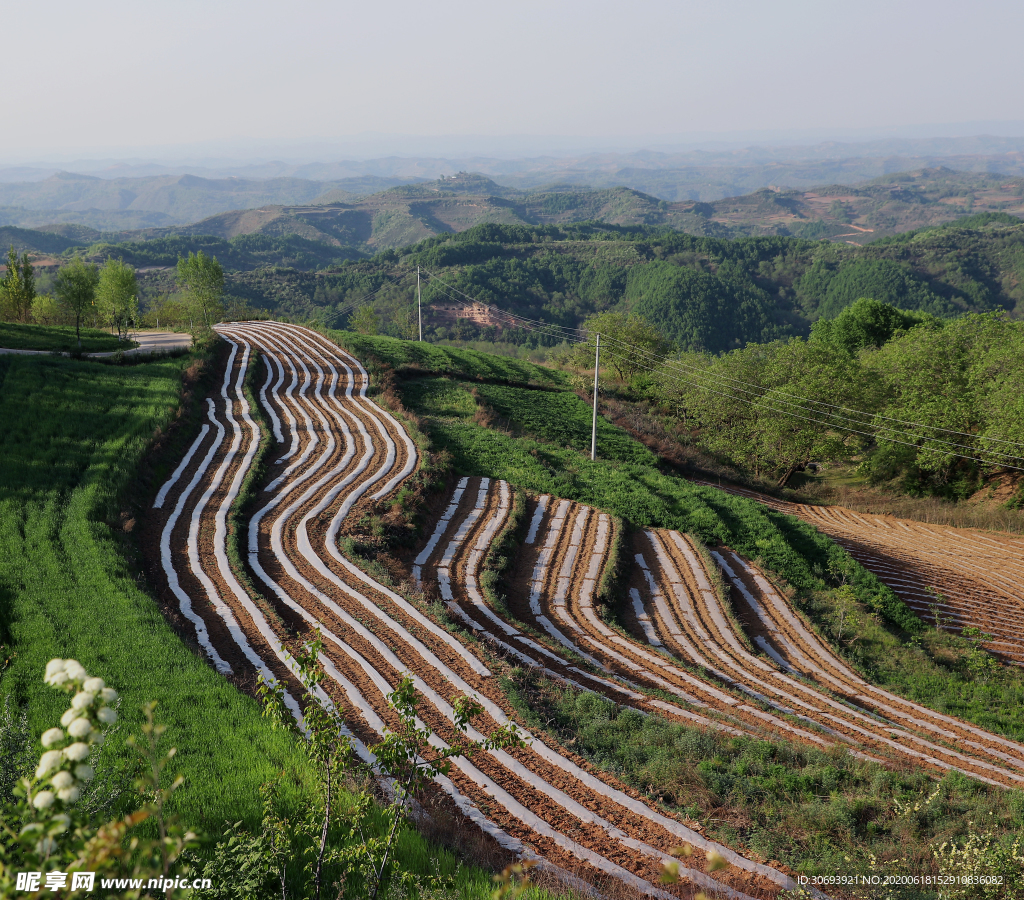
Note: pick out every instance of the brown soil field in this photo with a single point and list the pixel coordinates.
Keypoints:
(335, 455)
(953, 578)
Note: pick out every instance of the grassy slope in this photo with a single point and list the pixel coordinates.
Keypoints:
(412, 357)
(15, 336)
(74, 433)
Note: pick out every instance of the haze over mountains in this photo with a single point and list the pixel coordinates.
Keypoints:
(114, 196)
(338, 223)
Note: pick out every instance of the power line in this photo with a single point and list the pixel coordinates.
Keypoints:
(861, 413)
(666, 363)
(818, 421)
(348, 307)
(859, 418)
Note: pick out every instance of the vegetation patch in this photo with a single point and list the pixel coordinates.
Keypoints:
(886, 642)
(817, 812)
(59, 338)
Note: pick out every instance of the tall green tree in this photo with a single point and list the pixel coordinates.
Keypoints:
(771, 409)
(364, 321)
(867, 323)
(201, 280)
(953, 411)
(117, 296)
(75, 287)
(17, 288)
(629, 344)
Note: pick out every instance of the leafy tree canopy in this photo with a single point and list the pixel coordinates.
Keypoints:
(866, 323)
(117, 295)
(75, 287)
(629, 344)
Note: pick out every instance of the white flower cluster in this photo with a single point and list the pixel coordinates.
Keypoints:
(63, 768)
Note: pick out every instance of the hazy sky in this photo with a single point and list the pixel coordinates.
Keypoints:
(108, 75)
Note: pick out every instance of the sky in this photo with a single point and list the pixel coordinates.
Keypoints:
(125, 78)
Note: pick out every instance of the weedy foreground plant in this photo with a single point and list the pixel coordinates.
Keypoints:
(343, 845)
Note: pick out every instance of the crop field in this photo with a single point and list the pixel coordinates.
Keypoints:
(348, 453)
(61, 338)
(687, 665)
(955, 579)
(706, 613)
(690, 663)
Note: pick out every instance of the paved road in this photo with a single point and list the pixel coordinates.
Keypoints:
(148, 341)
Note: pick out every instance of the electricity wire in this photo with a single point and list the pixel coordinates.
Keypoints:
(756, 398)
(782, 397)
(354, 304)
(790, 413)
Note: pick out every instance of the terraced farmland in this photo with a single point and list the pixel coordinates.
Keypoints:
(953, 578)
(341, 452)
(747, 667)
(792, 686)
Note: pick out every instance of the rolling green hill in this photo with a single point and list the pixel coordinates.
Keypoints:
(705, 293)
(402, 215)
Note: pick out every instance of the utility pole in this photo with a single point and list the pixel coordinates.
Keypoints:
(593, 430)
(419, 302)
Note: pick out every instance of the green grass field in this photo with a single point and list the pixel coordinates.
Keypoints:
(74, 434)
(408, 357)
(15, 336)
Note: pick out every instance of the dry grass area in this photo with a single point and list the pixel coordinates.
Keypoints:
(985, 514)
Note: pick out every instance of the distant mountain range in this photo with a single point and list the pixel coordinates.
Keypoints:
(121, 203)
(342, 225)
(116, 196)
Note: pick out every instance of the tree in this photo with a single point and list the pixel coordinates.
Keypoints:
(772, 408)
(867, 323)
(630, 344)
(76, 291)
(960, 386)
(201, 279)
(364, 320)
(117, 296)
(17, 287)
(45, 310)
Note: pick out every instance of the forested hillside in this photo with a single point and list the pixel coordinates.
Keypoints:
(706, 294)
(703, 293)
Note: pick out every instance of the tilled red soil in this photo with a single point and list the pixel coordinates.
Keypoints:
(747, 664)
(340, 453)
(952, 577)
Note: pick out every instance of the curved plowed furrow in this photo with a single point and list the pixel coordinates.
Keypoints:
(457, 544)
(863, 715)
(345, 453)
(571, 542)
(578, 626)
(952, 577)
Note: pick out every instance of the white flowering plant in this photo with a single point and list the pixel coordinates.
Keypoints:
(54, 832)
